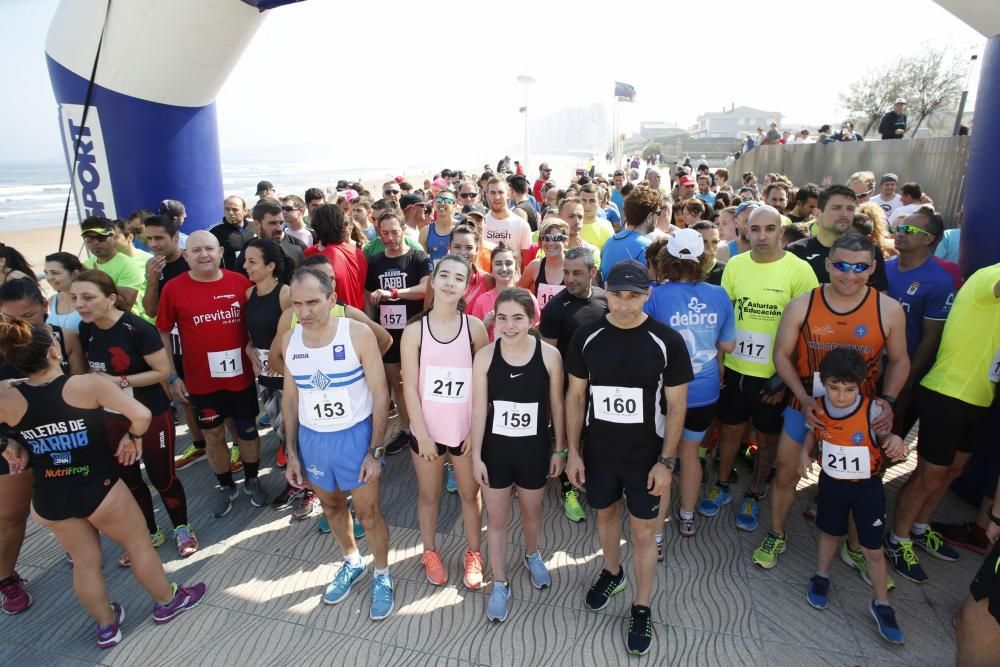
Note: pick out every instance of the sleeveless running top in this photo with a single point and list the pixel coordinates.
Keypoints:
(519, 400)
(445, 383)
(543, 289)
(437, 245)
(734, 247)
(261, 317)
(825, 329)
(849, 448)
(70, 320)
(338, 310)
(333, 393)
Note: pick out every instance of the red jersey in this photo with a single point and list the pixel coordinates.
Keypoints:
(350, 270)
(210, 319)
(536, 190)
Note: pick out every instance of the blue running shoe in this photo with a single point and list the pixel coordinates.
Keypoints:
(340, 587)
(359, 530)
(450, 484)
(112, 634)
(540, 577)
(885, 619)
(499, 603)
(382, 597)
(748, 517)
(713, 502)
(818, 592)
(323, 526)
(264, 421)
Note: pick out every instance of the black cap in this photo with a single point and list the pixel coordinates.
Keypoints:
(264, 185)
(409, 200)
(628, 276)
(474, 209)
(342, 185)
(97, 225)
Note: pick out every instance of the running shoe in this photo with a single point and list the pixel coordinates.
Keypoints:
(498, 605)
(904, 560)
(640, 630)
(809, 513)
(285, 498)
(966, 535)
(450, 483)
(818, 593)
(856, 560)
(766, 555)
(932, 542)
(281, 460)
(359, 530)
(235, 462)
(185, 597)
(258, 496)
(342, 582)
(660, 549)
(885, 620)
(537, 571)
(433, 567)
(187, 541)
(159, 538)
(110, 635)
(400, 442)
(473, 578)
(607, 585)
(305, 505)
(571, 505)
(125, 561)
(264, 421)
(713, 502)
(382, 597)
(748, 518)
(189, 456)
(224, 497)
(685, 526)
(323, 526)
(13, 598)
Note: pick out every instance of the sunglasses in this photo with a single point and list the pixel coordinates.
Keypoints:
(94, 238)
(847, 267)
(444, 200)
(468, 195)
(553, 238)
(391, 192)
(910, 229)
(428, 209)
(288, 209)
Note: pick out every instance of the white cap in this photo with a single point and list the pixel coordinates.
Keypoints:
(900, 100)
(686, 244)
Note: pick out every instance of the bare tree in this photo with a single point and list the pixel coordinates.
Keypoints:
(933, 80)
(868, 98)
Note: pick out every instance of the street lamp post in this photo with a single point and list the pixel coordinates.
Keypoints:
(526, 81)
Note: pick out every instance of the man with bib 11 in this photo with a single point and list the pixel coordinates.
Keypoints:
(335, 406)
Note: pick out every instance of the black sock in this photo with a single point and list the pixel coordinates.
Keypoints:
(225, 479)
(723, 485)
(8, 580)
(250, 469)
(198, 444)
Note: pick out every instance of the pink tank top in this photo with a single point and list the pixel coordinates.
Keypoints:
(445, 384)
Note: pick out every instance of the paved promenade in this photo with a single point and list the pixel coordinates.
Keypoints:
(266, 573)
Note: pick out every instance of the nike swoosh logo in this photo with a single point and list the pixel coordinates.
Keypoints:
(512, 375)
(813, 256)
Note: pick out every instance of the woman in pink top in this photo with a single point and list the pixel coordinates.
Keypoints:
(505, 274)
(437, 349)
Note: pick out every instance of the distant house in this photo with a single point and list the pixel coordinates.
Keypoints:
(655, 129)
(735, 123)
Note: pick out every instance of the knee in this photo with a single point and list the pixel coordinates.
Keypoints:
(368, 515)
(469, 494)
(931, 481)
(643, 535)
(787, 476)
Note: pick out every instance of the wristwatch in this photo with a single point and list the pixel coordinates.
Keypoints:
(172, 379)
(669, 462)
(891, 400)
(123, 382)
(377, 452)
(133, 436)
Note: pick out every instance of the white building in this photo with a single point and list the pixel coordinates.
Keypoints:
(736, 123)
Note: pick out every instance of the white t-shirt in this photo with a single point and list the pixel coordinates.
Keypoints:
(512, 230)
(889, 206)
(901, 212)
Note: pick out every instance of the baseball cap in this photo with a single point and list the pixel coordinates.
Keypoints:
(350, 195)
(745, 205)
(172, 208)
(474, 209)
(686, 244)
(399, 179)
(439, 183)
(264, 185)
(900, 100)
(410, 200)
(886, 178)
(686, 180)
(342, 185)
(97, 225)
(629, 276)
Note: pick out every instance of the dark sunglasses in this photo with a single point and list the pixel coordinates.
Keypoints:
(910, 229)
(391, 192)
(553, 238)
(288, 209)
(468, 195)
(847, 267)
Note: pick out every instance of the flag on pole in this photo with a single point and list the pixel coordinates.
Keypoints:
(624, 92)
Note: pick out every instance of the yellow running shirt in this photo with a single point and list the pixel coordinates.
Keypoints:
(759, 293)
(597, 233)
(967, 367)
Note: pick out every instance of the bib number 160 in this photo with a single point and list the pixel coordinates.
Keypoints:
(620, 406)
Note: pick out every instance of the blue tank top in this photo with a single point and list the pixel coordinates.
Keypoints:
(437, 245)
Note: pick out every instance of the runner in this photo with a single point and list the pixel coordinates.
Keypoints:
(335, 405)
(99, 237)
(977, 625)
(571, 212)
(396, 284)
(953, 403)
(333, 240)
(853, 457)
(618, 366)
(22, 298)
(436, 236)
(702, 315)
(543, 277)
(127, 351)
(437, 351)
(60, 270)
(642, 206)
(207, 304)
(77, 493)
(501, 223)
(466, 242)
(760, 283)
(13, 265)
(845, 313)
(594, 230)
(505, 275)
(518, 387)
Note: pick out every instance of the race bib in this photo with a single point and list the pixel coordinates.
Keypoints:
(994, 373)
(753, 347)
(226, 364)
(621, 405)
(846, 462)
(392, 316)
(447, 385)
(546, 292)
(265, 364)
(328, 407)
(515, 420)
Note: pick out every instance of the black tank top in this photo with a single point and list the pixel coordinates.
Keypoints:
(519, 400)
(261, 318)
(68, 446)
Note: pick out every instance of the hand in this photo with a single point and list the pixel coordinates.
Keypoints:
(427, 449)
(179, 391)
(377, 296)
(900, 132)
(776, 399)
(16, 457)
(556, 465)
(883, 423)
(805, 464)
(129, 451)
(154, 268)
(465, 450)
(811, 410)
(575, 471)
(254, 358)
(293, 473)
(894, 448)
(480, 474)
(992, 532)
(658, 480)
(370, 470)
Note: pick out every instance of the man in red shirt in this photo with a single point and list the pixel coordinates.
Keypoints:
(544, 172)
(333, 240)
(206, 304)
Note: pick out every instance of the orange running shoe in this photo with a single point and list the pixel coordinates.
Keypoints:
(473, 570)
(434, 568)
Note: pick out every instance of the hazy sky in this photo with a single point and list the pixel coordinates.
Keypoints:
(410, 84)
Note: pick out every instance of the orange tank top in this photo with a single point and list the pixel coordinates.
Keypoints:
(848, 444)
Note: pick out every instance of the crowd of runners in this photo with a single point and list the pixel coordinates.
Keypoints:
(610, 334)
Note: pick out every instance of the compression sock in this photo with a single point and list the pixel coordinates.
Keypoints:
(225, 479)
(250, 470)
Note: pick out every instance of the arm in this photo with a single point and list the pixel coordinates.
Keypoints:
(806, 454)
(128, 295)
(480, 406)
(290, 416)
(371, 362)
(159, 364)
(422, 237)
(276, 356)
(151, 298)
(926, 350)
(576, 404)
(898, 367)
(557, 408)
(74, 351)
(110, 395)
(659, 477)
(409, 352)
(784, 352)
(527, 280)
(178, 390)
(382, 337)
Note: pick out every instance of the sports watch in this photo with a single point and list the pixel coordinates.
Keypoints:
(669, 462)
(377, 452)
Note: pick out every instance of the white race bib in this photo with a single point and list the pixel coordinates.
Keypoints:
(515, 420)
(328, 407)
(263, 356)
(447, 385)
(846, 462)
(392, 316)
(226, 364)
(546, 292)
(753, 347)
(621, 405)
(994, 372)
